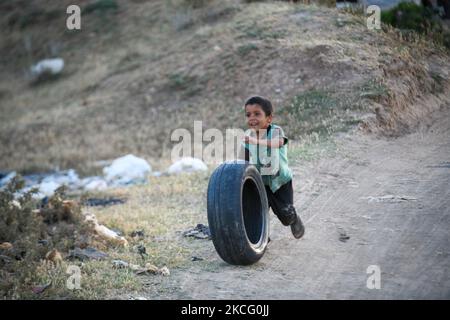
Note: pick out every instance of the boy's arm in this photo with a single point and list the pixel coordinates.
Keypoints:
(273, 143)
(277, 141)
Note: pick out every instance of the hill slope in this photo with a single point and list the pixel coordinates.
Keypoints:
(136, 72)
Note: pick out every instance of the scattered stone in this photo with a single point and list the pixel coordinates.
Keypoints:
(119, 264)
(48, 66)
(343, 237)
(164, 271)
(199, 232)
(86, 254)
(135, 267)
(6, 246)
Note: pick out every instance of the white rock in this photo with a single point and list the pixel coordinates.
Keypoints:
(127, 170)
(51, 66)
(187, 164)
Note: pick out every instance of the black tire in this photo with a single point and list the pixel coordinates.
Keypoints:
(238, 213)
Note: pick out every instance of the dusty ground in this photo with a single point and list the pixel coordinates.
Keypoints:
(408, 239)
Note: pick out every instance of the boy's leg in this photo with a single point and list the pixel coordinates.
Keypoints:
(281, 202)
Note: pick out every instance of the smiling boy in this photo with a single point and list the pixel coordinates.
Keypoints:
(276, 174)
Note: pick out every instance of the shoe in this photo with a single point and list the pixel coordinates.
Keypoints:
(297, 228)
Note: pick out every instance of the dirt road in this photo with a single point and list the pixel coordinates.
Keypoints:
(382, 202)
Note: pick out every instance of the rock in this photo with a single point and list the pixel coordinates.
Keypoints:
(50, 66)
(187, 164)
(135, 267)
(119, 264)
(6, 246)
(86, 254)
(164, 271)
(127, 170)
(343, 237)
(54, 256)
(199, 232)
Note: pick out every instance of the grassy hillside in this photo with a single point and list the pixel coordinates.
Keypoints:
(139, 69)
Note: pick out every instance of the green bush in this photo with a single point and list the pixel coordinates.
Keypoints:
(410, 16)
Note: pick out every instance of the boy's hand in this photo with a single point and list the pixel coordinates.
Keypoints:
(250, 140)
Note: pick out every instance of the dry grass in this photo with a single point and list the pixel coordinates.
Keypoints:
(163, 209)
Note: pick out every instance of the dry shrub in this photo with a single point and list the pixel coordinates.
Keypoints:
(34, 229)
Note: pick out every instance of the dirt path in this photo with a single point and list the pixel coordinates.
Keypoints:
(408, 239)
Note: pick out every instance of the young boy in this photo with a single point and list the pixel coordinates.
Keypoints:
(277, 176)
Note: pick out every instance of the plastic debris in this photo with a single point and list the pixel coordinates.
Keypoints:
(187, 164)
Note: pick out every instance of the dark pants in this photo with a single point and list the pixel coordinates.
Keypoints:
(282, 203)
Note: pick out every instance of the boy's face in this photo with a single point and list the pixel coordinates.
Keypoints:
(256, 118)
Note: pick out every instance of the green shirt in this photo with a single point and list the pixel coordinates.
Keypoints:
(272, 163)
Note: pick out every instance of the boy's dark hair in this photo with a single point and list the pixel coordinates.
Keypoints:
(265, 104)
